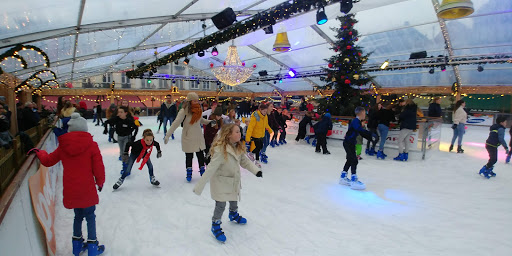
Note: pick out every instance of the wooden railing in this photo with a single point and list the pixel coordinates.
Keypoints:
(11, 159)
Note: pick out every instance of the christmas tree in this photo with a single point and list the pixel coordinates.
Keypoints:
(344, 73)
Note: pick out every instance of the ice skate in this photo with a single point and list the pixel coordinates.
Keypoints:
(154, 181)
(201, 170)
(344, 179)
(380, 155)
(79, 245)
(217, 231)
(484, 172)
(234, 216)
(356, 184)
(118, 183)
(189, 174)
(94, 248)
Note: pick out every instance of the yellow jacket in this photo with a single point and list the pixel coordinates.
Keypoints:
(257, 126)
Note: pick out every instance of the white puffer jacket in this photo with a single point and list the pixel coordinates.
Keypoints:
(460, 116)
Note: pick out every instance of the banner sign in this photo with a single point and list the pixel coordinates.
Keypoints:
(481, 119)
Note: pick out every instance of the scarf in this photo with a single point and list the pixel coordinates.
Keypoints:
(196, 112)
(145, 149)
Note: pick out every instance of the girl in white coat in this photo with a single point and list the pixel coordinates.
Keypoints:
(459, 125)
(228, 154)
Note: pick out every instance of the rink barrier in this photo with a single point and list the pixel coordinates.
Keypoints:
(20, 230)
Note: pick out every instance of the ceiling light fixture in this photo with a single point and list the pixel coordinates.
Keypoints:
(321, 18)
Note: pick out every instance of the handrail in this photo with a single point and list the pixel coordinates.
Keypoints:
(12, 189)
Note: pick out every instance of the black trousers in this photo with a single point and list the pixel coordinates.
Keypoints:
(352, 162)
(374, 131)
(493, 156)
(258, 143)
(283, 135)
(274, 136)
(302, 134)
(190, 156)
(321, 141)
(207, 157)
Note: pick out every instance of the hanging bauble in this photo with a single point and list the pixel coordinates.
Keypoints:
(356, 77)
(254, 65)
(330, 65)
(346, 60)
(347, 81)
(339, 47)
(211, 65)
(350, 33)
(359, 53)
(329, 76)
(224, 63)
(335, 50)
(357, 39)
(243, 64)
(344, 27)
(349, 47)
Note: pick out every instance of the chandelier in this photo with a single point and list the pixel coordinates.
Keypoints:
(234, 71)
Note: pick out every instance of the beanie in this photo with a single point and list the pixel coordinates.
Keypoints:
(77, 123)
(192, 96)
(328, 115)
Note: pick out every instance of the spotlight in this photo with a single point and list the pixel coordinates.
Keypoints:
(280, 80)
(275, 82)
(321, 18)
(263, 73)
(346, 6)
(443, 68)
(480, 69)
(200, 53)
(431, 71)
(186, 61)
(385, 64)
(154, 70)
(218, 82)
(268, 30)
(177, 62)
(149, 81)
(258, 83)
(197, 81)
(292, 73)
(173, 81)
(214, 51)
(150, 73)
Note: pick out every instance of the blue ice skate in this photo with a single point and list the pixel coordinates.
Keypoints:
(264, 158)
(217, 231)
(381, 155)
(93, 248)
(281, 142)
(344, 180)
(370, 151)
(272, 144)
(400, 157)
(313, 143)
(201, 170)
(234, 216)
(189, 174)
(307, 139)
(172, 136)
(406, 157)
(356, 184)
(484, 172)
(507, 160)
(78, 245)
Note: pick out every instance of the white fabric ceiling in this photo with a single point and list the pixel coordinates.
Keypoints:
(116, 34)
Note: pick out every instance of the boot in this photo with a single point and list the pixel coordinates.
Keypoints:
(272, 144)
(372, 152)
(406, 157)
(234, 216)
(484, 172)
(491, 173)
(189, 174)
(344, 179)
(281, 142)
(78, 245)
(451, 148)
(263, 158)
(380, 155)
(313, 143)
(400, 157)
(507, 160)
(118, 183)
(154, 181)
(217, 231)
(284, 141)
(201, 170)
(172, 136)
(356, 184)
(460, 150)
(93, 248)
(307, 139)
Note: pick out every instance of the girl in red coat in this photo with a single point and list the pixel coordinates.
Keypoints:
(83, 171)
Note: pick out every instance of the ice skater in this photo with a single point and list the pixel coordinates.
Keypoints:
(355, 128)
(228, 155)
(495, 139)
(321, 129)
(256, 132)
(302, 126)
(83, 171)
(141, 151)
(124, 127)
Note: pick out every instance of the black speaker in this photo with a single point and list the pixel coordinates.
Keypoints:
(418, 55)
(224, 19)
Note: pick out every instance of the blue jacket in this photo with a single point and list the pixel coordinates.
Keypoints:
(496, 136)
(168, 112)
(434, 110)
(355, 128)
(324, 125)
(408, 117)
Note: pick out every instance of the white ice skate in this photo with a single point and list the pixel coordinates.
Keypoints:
(344, 181)
(257, 163)
(250, 155)
(356, 184)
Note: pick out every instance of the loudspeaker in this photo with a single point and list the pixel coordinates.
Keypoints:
(224, 19)
(418, 55)
(263, 73)
(268, 30)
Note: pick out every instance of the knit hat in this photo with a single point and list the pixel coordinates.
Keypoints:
(77, 123)
(328, 115)
(192, 96)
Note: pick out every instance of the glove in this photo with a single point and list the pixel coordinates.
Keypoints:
(213, 123)
(125, 158)
(159, 154)
(33, 151)
(280, 130)
(507, 151)
(259, 174)
(454, 126)
(248, 146)
(105, 131)
(100, 188)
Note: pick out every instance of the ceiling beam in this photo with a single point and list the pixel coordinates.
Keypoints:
(321, 33)
(78, 23)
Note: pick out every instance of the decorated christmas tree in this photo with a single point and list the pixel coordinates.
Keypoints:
(344, 73)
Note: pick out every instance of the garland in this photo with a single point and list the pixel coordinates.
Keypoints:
(13, 53)
(35, 77)
(261, 20)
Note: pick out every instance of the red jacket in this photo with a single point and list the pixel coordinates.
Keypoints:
(83, 168)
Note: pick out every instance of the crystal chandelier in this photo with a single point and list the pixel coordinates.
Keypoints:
(234, 71)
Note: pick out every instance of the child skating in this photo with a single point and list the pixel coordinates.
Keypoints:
(495, 139)
(83, 171)
(141, 151)
(228, 155)
(354, 129)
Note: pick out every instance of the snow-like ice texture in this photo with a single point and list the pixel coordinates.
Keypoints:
(440, 206)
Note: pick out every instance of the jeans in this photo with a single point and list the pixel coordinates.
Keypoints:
(383, 131)
(122, 141)
(131, 162)
(167, 119)
(219, 209)
(88, 214)
(265, 143)
(374, 143)
(459, 132)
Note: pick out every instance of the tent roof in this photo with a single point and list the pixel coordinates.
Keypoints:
(92, 37)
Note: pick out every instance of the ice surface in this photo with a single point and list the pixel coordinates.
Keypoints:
(440, 206)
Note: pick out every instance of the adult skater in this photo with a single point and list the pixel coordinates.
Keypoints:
(372, 125)
(385, 117)
(407, 125)
(354, 129)
(192, 140)
(141, 150)
(168, 112)
(434, 109)
(228, 155)
(83, 171)
(321, 128)
(256, 132)
(125, 128)
(495, 139)
(460, 118)
(302, 126)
